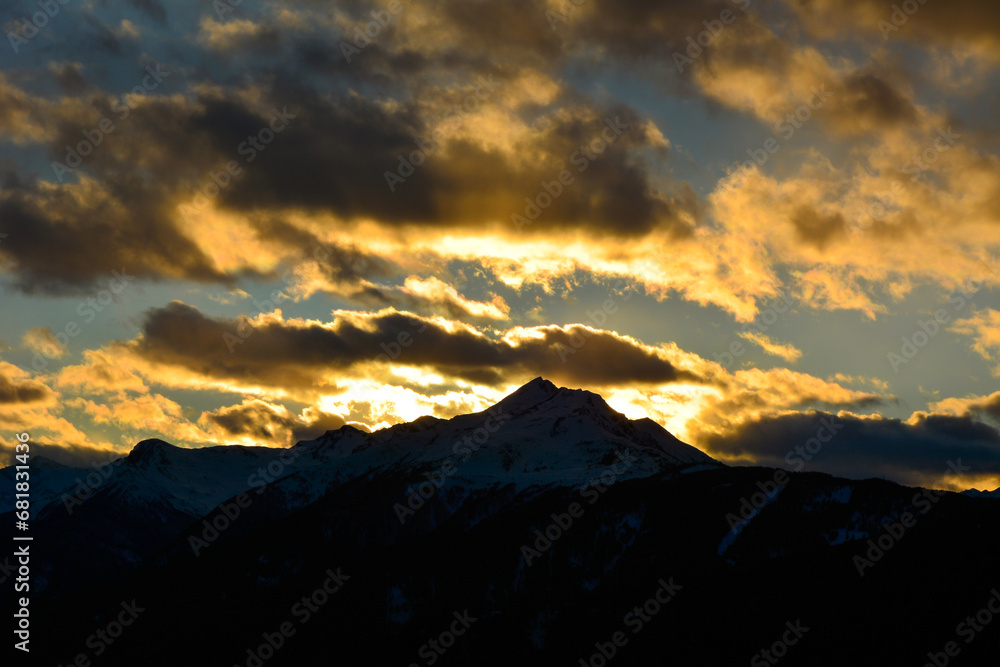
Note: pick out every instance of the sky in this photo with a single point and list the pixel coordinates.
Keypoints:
(765, 225)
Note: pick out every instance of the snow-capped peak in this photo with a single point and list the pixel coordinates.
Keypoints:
(529, 395)
(539, 435)
(151, 452)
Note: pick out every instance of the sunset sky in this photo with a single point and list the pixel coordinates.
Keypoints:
(251, 222)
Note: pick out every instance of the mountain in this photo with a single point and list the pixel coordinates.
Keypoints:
(540, 435)
(48, 480)
(535, 531)
(976, 493)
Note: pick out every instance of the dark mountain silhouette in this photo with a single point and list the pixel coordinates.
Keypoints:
(549, 519)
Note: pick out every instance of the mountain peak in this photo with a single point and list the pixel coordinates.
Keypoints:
(152, 450)
(42, 461)
(530, 395)
(540, 391)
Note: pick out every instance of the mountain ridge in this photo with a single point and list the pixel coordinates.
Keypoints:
(564, 515)
(539, 434)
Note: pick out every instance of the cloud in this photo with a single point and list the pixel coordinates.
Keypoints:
(259, 422)
(32, 406)
(788, 352)
(16, 387)
(307, 354)
(71, 238)
(916, 452)
(70, 77)
(750, 395)
(238, 35)
(20, 114)
(984, 327)
(438, 296)
(954, 24)
(148, 412)
(753, 69)
(152, 8)
(981, 407)
(100, 373)
(149, 212)
(42, 340)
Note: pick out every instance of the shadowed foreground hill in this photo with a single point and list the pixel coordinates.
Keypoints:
(534, 531)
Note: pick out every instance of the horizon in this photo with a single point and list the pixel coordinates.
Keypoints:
(956, 468)
(253, 222)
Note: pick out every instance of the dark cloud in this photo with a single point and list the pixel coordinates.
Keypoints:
(338, 263)
(816, 228)
(334, 157)
(910, 453)
(70, 77)
(22, 391)
(867, 95)
(514, 29)
(992, 406)
(958, 22)
(152, 8)
(646, 29)
(269, 423)
(301, 354)
(987, 406)
(59, 243)
(101, 35)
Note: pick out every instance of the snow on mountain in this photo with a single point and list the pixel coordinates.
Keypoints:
(47, 479)
(193, 481)
(540, 435)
